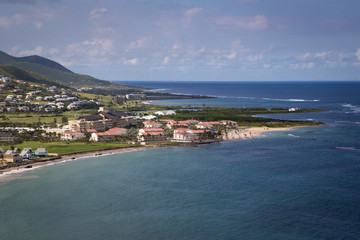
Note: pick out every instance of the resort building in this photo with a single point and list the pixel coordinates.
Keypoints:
(188, 135)
(113, 134)
(102, 121)
(151, 135)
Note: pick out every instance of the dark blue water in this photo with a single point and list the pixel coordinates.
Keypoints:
(302, 184)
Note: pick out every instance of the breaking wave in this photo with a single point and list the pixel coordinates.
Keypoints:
(291, 100)
(348, 148)
(352, 108)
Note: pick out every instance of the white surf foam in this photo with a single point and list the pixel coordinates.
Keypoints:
(352, 108)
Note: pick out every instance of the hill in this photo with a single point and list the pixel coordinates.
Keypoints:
(61, 75)
(17, 73)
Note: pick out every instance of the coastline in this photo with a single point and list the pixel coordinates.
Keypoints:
(249, 133)
(14, 171)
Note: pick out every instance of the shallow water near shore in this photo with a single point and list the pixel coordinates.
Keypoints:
(299, 184)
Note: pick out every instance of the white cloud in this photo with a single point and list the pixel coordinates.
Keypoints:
(39, 50)
(176, 46)
(189, 14)
(297, 66)
(258, 22)
(36, 17)
(91, 48)
(140, 43)
(38, 25)
(357, 54)
(132, 61)
(96, 13)
(11, 21)
(166, 60)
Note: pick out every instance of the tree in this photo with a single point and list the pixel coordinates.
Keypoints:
(64, 119)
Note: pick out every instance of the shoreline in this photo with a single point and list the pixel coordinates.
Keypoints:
(254, 132)
(4, 173)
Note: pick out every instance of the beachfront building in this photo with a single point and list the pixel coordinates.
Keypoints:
(151, 135)
(113, 134)
(14, 151)
(189, 135)
(41, 152)
(27, 153)
(12, 158)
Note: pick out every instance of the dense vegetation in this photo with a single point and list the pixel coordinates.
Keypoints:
(243, 116)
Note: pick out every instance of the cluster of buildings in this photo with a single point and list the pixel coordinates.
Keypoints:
(111, 126)
(39, 99)
(17, 156)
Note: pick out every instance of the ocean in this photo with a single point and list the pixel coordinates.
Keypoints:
(299, 184)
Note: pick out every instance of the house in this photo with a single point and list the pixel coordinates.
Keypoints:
(113, 134)
(24, 108)
(72, 135)
(41, 152)
(151, 135)
(48, 98)
(151, 124)
(27, 153)
(12, 158)
(14, 151)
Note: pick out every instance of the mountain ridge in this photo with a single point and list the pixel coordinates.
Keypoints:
(61, 75)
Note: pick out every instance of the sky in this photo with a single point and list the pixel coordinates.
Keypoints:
(189, 40)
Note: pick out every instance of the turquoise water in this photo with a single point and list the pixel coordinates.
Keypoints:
(301, 184)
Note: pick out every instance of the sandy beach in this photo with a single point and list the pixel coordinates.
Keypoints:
(68, 157)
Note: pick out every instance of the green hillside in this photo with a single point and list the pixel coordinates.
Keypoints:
(17, 73)
(61, 75)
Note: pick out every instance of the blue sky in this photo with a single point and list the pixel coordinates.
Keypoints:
(203, 40)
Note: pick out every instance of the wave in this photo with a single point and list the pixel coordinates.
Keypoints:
(292, 100)
(157, 90)
(348, 148)
(352, 108)
(295, 136)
